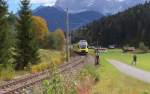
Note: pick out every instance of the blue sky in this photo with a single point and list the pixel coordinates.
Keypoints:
(14, 4)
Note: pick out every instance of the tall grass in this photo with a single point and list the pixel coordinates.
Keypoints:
(114, 82)
(58, 85)
(90, 71)
(87, 77)
(7, 73)
(48, 58)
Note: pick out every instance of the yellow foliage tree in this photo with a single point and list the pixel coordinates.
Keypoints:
(40, 27)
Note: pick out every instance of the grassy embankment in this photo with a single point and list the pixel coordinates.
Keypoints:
(47, 58)
(114, 82)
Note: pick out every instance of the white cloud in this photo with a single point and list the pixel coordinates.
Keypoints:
(45, 2)
(116, 0)
(121, 0)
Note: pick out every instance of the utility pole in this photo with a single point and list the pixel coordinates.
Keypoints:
(97, 44)
(67, 36)
(70, 43)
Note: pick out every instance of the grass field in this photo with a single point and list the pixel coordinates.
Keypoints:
(114, 82)
(54, 56)
(143, 60)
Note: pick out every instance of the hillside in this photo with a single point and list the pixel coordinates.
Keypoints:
(55, 17)
(102, 6)
(125, 28)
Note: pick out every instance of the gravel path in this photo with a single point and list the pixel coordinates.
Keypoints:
(72, 72)
(131, 71)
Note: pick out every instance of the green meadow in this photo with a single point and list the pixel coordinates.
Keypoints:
(114, 82)
(143, 60)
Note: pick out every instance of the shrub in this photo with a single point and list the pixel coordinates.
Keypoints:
(89, 70)
(143, 47)
(34, 69)
(55, 40)
(7, 73)
(56, 85)
(52, 56)
(48, 58)
(145, 92)
(85, 86)
(40, 67)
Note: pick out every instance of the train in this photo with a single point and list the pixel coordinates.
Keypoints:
(81, 47)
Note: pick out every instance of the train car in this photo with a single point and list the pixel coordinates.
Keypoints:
(81, 47)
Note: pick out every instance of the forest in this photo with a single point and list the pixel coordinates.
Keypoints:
(130, 27)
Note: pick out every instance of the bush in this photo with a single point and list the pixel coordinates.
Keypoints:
(57, 85)
(143, 47)
(40, 67)
(89, 70)
(7, 73)
(145, 92)
(55, 40)
(48, 58)
(87, 77)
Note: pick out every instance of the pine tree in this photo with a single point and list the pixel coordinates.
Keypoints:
(27, 49)
(5, 35)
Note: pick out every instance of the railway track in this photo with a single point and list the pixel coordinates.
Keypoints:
(17, 85)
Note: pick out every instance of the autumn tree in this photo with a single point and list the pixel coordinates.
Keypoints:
(40, 27)
(27, 49)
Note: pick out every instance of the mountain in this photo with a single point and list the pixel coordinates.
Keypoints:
(55, 17)
(130, 27)
(102, 6)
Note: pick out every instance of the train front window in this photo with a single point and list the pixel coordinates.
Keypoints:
(82, 46)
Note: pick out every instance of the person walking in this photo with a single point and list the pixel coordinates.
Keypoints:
(134, 62)
(97, 59)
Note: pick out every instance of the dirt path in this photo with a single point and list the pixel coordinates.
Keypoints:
(74, 71)
(131, 71)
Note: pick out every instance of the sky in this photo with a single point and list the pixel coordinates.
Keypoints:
(13, 5)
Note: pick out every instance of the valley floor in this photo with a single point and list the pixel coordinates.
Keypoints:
(112, 81)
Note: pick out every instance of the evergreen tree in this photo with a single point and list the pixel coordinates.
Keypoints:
(27, 49)
(5, 35)
(12, 21)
